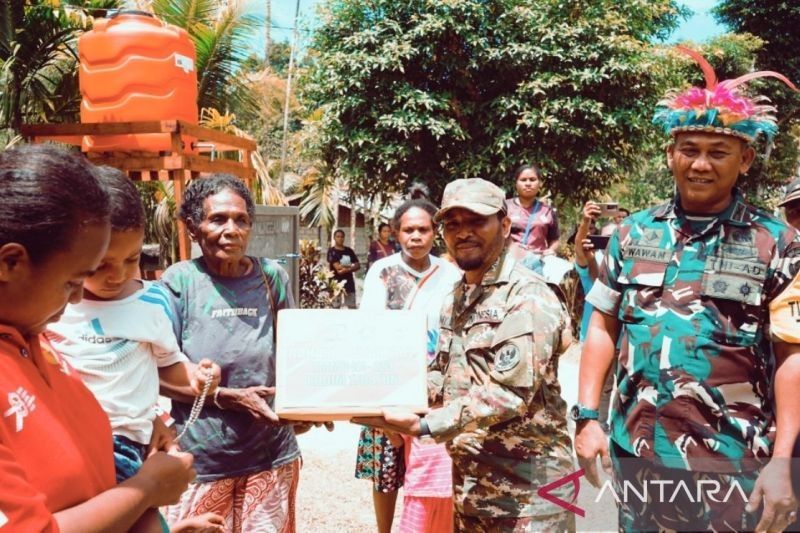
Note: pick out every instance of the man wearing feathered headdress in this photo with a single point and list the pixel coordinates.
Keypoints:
(705, 293)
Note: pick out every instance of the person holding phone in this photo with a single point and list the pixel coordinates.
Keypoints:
(586, 264)
(534, 224)
(588, 255)
(617, 215)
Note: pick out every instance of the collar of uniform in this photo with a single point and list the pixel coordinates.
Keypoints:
(12, 336)
(736, 213)
(500, 271)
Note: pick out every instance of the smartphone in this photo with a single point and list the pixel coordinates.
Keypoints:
(608, 209)
(599, 241)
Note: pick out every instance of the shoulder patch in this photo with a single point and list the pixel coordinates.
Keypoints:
(507, 358)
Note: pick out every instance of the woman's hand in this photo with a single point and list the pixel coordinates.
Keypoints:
(591, 212)
(165, 477)
(252, 400)
(205, 370)
(205, 523)
(162, 439)
(303, 427)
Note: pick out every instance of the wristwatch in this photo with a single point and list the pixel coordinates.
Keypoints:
(424, 430)
(581, 412)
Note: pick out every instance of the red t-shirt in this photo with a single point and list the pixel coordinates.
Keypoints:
(55, 440)
(542, 220)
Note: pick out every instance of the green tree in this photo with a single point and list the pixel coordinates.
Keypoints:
(776, 23)
(438, 89)
(38, 59)
(265, 121)
(279, 58)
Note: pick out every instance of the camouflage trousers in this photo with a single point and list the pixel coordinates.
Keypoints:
(555, 523)
(679, 500)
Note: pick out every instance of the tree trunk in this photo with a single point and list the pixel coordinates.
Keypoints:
(353, 216)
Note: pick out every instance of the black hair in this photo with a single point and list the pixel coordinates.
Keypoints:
(127, 211)
(47, 193)
(420, 203)
(523, 168)
(338, 231)
(201, 188)
(383, 225)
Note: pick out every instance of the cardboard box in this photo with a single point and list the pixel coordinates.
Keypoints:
(336, 364)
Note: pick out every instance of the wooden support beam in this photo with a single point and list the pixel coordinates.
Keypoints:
(138, 163)
(179, 164)
(105, 128)
(178, 178)
(224, 141)
(202, 164)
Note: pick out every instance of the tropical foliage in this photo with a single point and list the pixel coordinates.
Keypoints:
(38, 59)
(265, 121)
(434, 89)
(775, 23)
(318, 289)
(264, 189)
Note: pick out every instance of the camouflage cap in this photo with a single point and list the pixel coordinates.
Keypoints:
(474, 194)
(792, 192)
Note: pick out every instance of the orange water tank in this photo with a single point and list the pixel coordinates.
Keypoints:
(133, 67)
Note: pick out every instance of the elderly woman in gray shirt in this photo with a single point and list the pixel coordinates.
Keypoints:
(224, 307)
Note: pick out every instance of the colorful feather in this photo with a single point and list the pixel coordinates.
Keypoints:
(705, 66)
(730, 84)
(720, 107)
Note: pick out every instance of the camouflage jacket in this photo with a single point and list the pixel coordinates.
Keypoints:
(496, 369)
(695, 365)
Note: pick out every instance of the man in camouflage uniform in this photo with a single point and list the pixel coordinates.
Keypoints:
(704, 292)
(495, 376)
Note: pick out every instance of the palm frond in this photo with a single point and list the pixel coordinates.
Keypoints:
(321, 201)
(187, 14)
(264, 189)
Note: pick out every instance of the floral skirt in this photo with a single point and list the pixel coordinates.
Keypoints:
(379, 461)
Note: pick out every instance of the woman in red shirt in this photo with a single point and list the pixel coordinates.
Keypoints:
(382, 247)
(534, 224)
(56, 461)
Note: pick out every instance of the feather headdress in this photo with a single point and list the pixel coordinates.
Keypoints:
(719, 108)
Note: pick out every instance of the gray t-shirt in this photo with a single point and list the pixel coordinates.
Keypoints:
(230, 321)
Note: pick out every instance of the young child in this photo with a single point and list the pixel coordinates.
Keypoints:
(427, 487)
(120, 337)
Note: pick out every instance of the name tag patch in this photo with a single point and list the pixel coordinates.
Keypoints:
(647, 253)
(751, 269)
